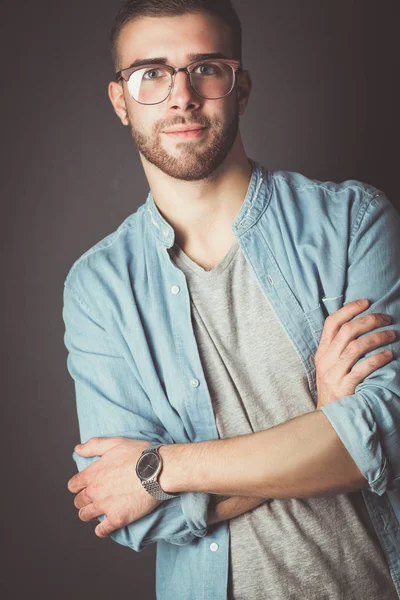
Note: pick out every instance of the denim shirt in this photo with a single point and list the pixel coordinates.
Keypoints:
(313, 246)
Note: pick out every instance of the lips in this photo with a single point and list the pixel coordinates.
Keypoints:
(183, 129)
(192, 133)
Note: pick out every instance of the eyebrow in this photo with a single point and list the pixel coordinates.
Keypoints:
(162, 60)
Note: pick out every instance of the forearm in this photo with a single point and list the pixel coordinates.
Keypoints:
(300, 458)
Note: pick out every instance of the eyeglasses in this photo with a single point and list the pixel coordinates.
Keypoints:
(153, 83)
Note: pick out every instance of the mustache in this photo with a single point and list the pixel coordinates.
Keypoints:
(203, 121)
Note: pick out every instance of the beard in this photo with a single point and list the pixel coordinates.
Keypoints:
(194, 160)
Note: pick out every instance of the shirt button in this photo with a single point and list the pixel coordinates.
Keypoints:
(214, 547)
(195, 382)
(165, 232)
(175, 289)
(270, 280)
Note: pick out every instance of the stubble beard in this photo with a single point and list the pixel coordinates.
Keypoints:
(194, 160)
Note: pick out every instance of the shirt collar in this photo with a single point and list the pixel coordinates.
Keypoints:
(255, 201)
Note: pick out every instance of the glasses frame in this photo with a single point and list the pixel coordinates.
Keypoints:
(235, 65)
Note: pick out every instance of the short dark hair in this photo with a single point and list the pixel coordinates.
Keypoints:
(133, 9)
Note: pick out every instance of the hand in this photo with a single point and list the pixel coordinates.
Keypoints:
(110, 485)
(231, 508)
(340, 348)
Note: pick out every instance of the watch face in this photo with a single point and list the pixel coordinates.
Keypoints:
(148, 465)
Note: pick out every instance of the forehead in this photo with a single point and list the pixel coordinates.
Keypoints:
(174, 38)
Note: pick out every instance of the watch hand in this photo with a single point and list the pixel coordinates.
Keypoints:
(146, 468)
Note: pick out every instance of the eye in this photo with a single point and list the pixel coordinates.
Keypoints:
(154, 74)
(206, 69)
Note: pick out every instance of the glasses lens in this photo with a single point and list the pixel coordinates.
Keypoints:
(212, 79)
(150, 85)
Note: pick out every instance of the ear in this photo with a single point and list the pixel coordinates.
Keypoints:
(116, 95)
(243, 88)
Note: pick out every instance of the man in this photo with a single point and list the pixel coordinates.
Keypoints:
(205, 316)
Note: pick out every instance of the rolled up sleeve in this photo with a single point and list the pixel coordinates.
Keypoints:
(110, 401)
(368, 421)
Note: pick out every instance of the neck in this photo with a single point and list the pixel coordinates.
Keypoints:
(202, 212)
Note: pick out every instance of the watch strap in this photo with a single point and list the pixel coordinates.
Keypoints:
(152, 486)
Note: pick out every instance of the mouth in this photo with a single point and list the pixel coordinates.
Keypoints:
(186, 133)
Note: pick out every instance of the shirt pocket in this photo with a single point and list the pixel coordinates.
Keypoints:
(316, 316)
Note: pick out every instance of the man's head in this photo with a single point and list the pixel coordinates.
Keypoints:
(175, 30)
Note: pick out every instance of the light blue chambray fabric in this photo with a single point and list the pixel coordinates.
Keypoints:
(313, 246)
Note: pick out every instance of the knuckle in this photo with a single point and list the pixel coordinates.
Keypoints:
(355, 374)
(353, 349)
(374, 319)
(330, 321)
(346, 328)
(375, 360)
(94, 486)
(116, 521)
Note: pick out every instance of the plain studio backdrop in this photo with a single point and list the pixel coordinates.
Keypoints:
(325, 102)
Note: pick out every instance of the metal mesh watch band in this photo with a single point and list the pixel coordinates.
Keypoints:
(152, 486)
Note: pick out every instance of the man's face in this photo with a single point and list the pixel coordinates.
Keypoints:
(176, 39)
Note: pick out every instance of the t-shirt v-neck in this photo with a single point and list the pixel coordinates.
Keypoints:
(207, 275)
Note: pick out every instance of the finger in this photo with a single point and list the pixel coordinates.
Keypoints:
(97, 446)
(89, 513)
(105, 528)
(355, 350)
(78, 482)
(359, 326)
(369, 365)
(82, 499)
(334, 322)
(84, 478)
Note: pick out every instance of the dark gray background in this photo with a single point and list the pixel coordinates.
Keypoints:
(325, 102)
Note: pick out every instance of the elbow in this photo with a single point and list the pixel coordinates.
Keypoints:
(367, 425)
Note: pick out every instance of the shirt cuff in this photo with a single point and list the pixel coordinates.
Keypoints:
(355, 425)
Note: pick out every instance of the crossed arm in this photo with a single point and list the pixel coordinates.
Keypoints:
(275, 463)
(299, 458)
(308, 455)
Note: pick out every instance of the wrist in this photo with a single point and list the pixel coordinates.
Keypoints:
(169, 476)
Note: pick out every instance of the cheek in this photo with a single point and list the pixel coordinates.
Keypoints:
(138, 118)
(227, 109)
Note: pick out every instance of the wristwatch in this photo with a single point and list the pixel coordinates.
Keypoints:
(148, 468)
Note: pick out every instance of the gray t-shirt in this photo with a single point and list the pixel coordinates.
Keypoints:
(294, 549)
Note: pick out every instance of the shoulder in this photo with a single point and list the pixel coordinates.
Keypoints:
(97, 267)
(314, 197)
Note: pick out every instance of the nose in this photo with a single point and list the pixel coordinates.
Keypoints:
(183, 95)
